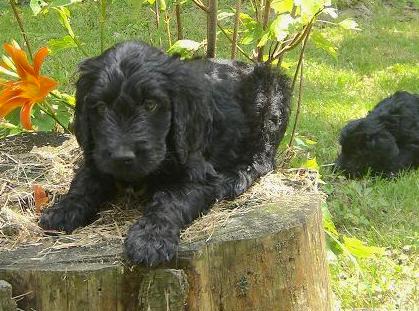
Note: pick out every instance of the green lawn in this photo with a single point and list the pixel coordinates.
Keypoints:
(372, 63)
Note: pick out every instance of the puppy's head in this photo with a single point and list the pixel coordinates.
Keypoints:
(135, 105)
(366, 145)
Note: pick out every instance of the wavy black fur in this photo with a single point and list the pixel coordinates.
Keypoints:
(192, 132)
(386, 141)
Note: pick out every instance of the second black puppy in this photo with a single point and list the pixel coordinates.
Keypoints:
(385, 141)
(191, 132)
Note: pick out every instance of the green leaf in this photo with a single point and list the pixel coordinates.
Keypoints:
(359, 249)
(281, 26)
(311, 164)
(224, 15)
(185, 48)
(56, 3)
(162, 5)
(42, 121)
(310, 142)
(64, 15)
(247, 39)
(309, 8)
(282, 6)
(332, 12)
(323, 43)
(349, 24)
(264, 39)
(56, 45)
(300, 143)
(254, 30)
(37, 6)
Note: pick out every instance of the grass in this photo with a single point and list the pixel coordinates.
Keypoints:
(371, 64)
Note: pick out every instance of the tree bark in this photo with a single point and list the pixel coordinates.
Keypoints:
(212, 27)
(6, 301)
(269, 258)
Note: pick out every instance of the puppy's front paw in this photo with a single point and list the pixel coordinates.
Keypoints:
(66, 215)
(150, 242)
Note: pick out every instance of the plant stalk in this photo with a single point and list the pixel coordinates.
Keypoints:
(178, 9)
(212, 27)
(22, 29)
(103, 7)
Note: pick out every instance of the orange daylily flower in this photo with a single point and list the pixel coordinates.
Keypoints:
(30, 88)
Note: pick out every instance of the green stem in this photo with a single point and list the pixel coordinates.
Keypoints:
(62, 100)
(79, 46)
(51, 113)
(231, 40)
(22, 29)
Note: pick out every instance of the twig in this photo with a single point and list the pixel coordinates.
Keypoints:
(238, 47)
(265, 17)
(297, 113)
(62, 100)
(22, 30)
(300, 59)
(51, 113)
(201, 5)
(299, 65)
(178, 9)
(167, 23)
(212, 27)
(103, 4)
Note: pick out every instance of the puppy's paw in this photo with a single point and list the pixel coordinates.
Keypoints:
(151, 243)
(66, 215)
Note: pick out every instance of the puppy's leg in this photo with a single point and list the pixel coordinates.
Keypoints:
(78, 208)
(154, 238)
(236, 181)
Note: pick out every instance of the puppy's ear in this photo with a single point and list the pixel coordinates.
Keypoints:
(87, 70)
(192, 112)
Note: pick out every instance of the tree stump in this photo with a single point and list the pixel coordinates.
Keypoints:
(270, 258)
(6, 301)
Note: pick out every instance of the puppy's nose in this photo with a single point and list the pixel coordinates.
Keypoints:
(123, 156)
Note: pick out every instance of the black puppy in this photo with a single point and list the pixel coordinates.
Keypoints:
(190, 132)
(385, 141)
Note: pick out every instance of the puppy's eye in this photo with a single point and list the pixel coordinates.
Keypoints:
(100, 107)
(150, 105)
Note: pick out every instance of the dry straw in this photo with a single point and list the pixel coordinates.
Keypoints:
(25, 161)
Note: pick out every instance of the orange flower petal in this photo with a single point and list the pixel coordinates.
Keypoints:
(25, 115)
(9, 100)
(40, 197)
(39, 59)
(5, 110)
(20, 60)
(47, 85)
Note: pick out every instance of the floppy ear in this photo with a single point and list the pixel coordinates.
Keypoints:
(192, 111)
(84, 84)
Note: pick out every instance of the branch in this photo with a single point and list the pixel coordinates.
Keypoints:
(201, 5)
(265, 17)
(238, 47)
(179, 20)
(299, 70)
(307, 32)
(212, 27)
(22, 29)
(51, 114)
(103, 4)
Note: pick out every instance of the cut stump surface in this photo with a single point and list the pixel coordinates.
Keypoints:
(270, 258)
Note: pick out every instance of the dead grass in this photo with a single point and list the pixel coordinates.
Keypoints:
(52, 168)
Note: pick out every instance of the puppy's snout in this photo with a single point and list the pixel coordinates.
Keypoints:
(123, 156)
